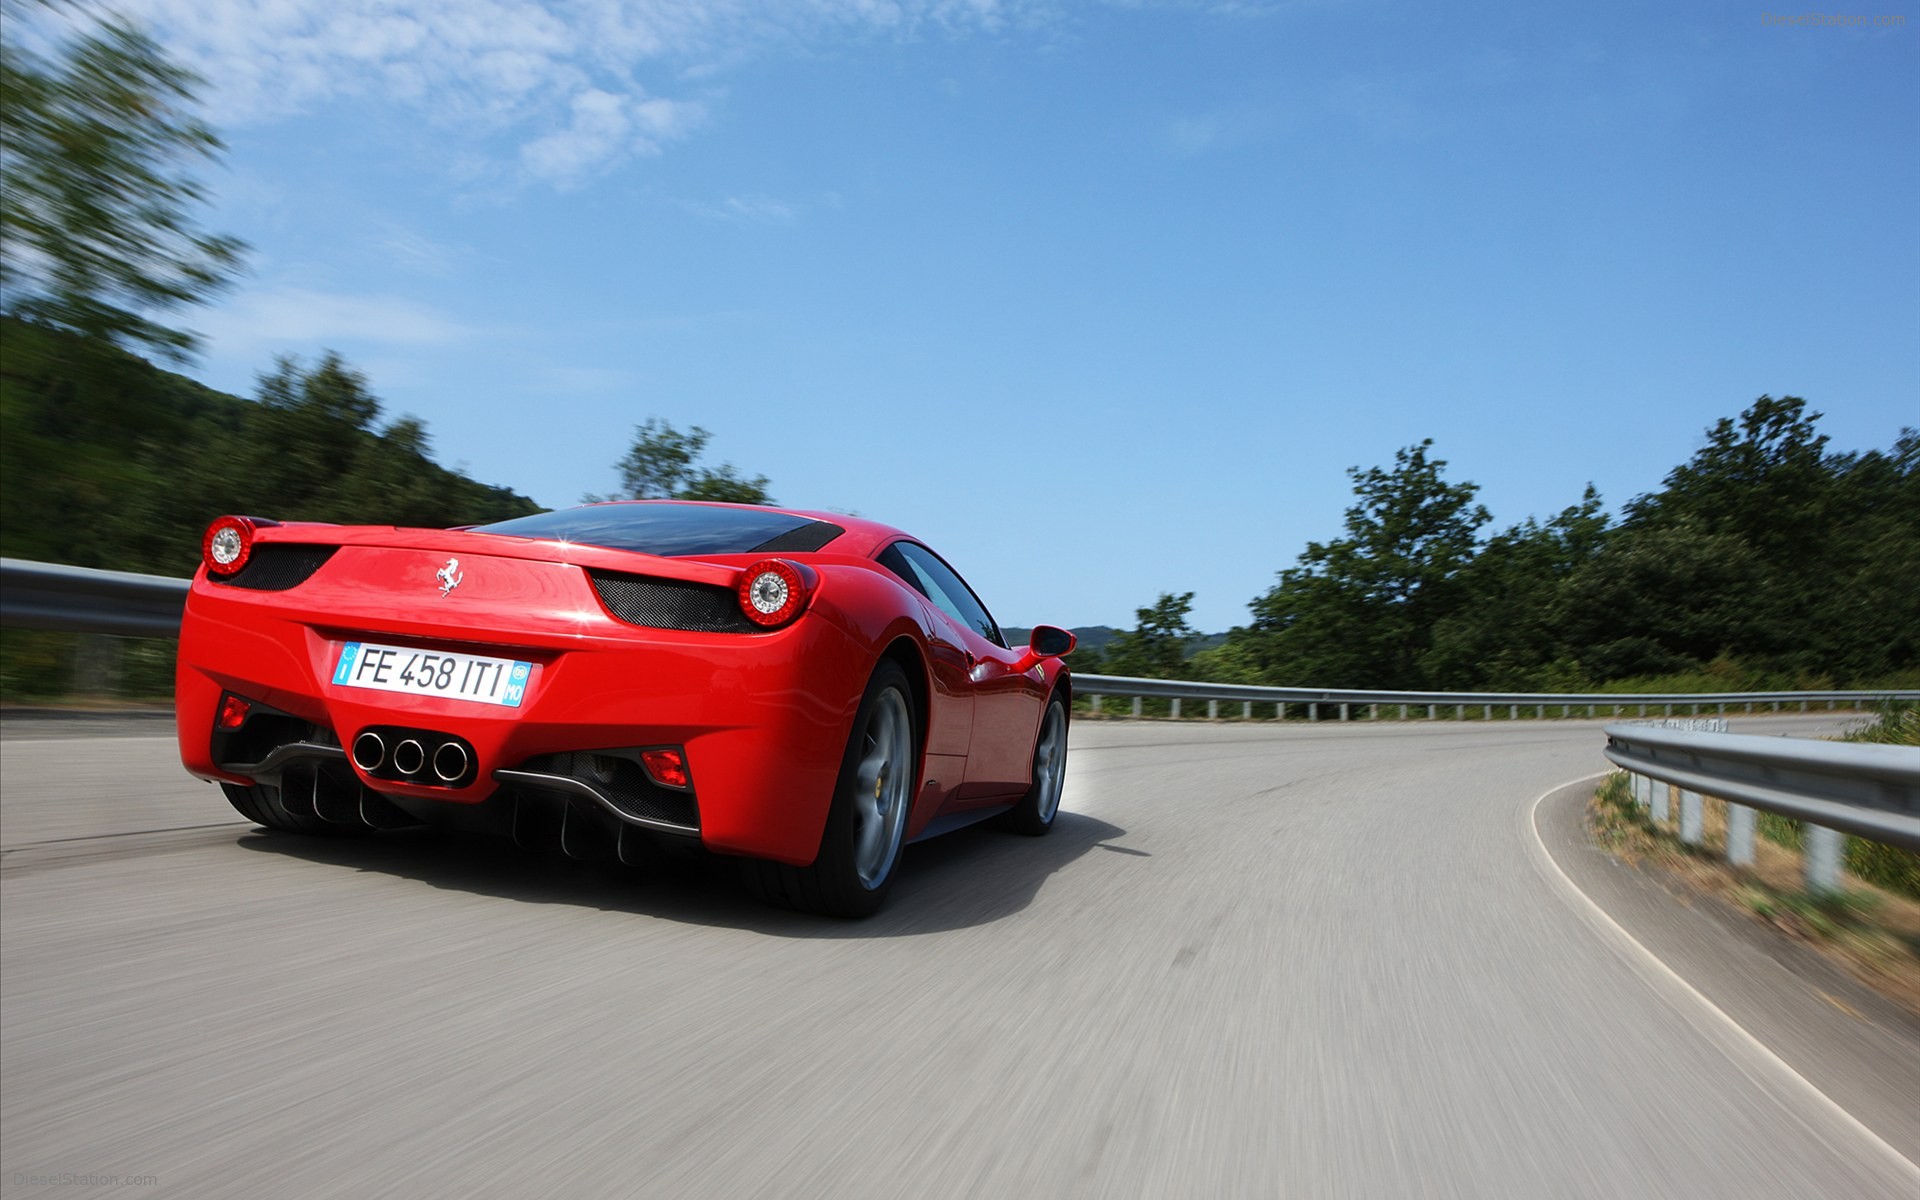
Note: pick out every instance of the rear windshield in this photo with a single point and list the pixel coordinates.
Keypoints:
(673, 529)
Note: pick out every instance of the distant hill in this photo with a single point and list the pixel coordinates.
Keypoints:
(109, 461)
(1089, 637)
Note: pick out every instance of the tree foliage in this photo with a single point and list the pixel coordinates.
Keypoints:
(1156, 648)
(1764, 559)
(82, 483)
(97, 232)
(664, 464)
(1363, 608)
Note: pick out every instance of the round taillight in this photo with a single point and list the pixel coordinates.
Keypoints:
(227, 545)
(772, 592)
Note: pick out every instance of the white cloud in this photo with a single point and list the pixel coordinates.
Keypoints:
(577, 379)
(605, 128)
(560, 81)
(290, 316)
(748, 210)
(421, 255)
(600, 126)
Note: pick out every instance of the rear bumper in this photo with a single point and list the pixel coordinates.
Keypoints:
(763, 718)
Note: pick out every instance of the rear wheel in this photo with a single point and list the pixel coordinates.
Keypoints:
(1034, 814)
(860, 848)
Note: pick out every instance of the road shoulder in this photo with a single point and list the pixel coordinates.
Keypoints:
(1860, 1050)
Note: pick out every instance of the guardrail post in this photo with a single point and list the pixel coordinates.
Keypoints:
(1739, 835)
(1820, 853)
(1246, 710)
(1373, 712)
(1433, 712)
(1343, 712)
(1403, 712)
(1213, 710)
(1692, 821)
(1093, 703)
(1136, 706)
(1540, 711)
(1662, 801)
(1313, 712)
(1176, 708)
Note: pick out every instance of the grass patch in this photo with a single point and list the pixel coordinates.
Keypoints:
(1871, 930)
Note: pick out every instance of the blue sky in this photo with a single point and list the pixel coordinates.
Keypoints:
(1101, 299)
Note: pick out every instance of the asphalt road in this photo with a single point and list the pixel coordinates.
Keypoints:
(1317, 962)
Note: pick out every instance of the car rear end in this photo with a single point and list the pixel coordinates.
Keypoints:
(379, 676)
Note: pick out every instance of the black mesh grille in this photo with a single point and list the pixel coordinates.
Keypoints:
(634, 794)
(629, 789)
(804, 540)
(671, 603)
(277, 566)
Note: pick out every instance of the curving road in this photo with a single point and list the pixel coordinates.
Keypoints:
(1311, 961)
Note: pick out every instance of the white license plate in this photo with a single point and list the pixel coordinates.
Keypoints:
(433, 673)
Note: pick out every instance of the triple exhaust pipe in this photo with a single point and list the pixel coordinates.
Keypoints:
(413, 750)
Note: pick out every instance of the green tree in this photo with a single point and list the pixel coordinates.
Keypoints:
(1506, 624)
(1156, 648)
(96, 190)
(1359, 611)
(1762, 550)
(1763, 478)
(1661, 601)
(314, 425)
(137, 495)
(727, 485)
(1863, 617)
(664, 464)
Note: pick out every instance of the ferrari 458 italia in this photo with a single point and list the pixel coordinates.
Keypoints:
(806, 692)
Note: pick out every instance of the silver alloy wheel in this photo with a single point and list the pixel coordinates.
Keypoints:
(1050, 764)
(882, 788)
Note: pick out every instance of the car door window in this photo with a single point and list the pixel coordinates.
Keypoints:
(938, 582)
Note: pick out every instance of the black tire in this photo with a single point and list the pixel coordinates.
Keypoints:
(1034, 814)
(262, 804)
(861, 845)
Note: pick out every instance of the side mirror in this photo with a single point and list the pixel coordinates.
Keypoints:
(1048, 641)
(1051, 641)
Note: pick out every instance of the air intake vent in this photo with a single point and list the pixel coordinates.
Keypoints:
(277, 566)
(671, 603)
(804, 540)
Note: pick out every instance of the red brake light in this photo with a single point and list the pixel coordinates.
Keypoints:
(773, 591)
(234, 711)
(667, 767)
(227, 545)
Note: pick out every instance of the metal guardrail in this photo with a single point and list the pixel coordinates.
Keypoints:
(37, 595)
(1871, 791)
(82, 600)
(1345, 699)
(1868, 790)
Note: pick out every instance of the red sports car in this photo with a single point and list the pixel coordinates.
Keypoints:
(805, 691)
